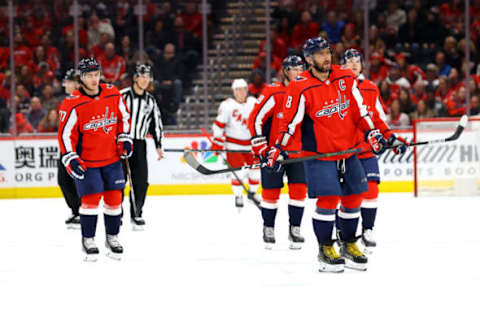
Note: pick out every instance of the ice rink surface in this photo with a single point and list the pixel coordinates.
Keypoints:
(199, 256)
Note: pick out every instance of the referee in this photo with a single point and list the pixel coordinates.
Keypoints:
(145, 117)
(66, 183)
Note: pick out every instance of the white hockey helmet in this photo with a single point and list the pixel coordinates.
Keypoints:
(239, 83)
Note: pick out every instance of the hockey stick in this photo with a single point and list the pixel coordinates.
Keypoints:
(193, 162)
(458, 131)
(132, 192)
(179, 150)
(257, 204)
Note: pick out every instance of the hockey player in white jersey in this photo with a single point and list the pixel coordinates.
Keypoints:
(230, 131)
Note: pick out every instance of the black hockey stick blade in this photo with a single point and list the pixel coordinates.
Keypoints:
(193, 162)
(458, 131)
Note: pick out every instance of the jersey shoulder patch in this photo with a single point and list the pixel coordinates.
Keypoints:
(300, 78)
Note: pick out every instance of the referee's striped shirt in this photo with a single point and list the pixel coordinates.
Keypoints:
(145, 115)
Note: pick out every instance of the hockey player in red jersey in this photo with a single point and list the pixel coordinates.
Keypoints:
(263, 124)
(353, 60)
(93, 137)
(326, 107)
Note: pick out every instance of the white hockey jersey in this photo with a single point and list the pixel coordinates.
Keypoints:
(231, 124)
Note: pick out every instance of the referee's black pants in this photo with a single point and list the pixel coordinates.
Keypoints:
(139, 169)
(69, 190)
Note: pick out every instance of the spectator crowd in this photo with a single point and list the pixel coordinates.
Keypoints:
(416, 48)
(44, 45)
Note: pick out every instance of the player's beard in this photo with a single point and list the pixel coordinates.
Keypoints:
(322, 69)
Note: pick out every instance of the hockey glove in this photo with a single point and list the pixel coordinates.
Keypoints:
(377, 141)
(398, 144)
(217, 144)
(75, 166)
(124, 146)
(275, 156)
(259, 146)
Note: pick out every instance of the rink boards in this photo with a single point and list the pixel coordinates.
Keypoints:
(28, 168)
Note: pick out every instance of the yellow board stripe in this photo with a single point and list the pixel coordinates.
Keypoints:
(175, 189)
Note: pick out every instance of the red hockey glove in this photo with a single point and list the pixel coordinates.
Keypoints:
(124, 146)
(217, 144)
(398, 144)
(377, 141)
(275, 155)
(75, 166)
(259, 146)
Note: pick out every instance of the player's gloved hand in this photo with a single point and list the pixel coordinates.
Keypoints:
(259, 146)
(75, 166)
(124, 146)
(275, 156)
(217, 144)
(398, 144)
(377, 141)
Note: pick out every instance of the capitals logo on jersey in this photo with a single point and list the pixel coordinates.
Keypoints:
(105, 121)
(335, 106)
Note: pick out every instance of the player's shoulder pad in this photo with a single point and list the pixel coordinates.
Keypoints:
(369, 84)
(109, 89)
(339, 71)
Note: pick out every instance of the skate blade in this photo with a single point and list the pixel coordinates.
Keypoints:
(268, 245)
(355, 266)
(296, 245)
(138, 228)
(332, 268)
(91, 257)
(73, 226)
(114, 256)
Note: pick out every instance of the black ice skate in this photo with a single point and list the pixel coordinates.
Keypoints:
(239, 202)
(114, 249)
(368, 240)
(329, 259)
(268, 237)
(90, 249)
(254, 197)
(138, 223)
(296, 239)
(354, 258)
(73, 222)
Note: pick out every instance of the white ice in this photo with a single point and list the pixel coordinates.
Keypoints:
(198, 256)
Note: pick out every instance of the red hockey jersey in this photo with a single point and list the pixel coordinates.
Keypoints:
(326, 113)
(265, 117)
(89, 125)
(373, 102)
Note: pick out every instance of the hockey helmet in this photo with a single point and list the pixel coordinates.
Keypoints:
(292, 61)
(239, 83)
(351, 53)
(88, 65)
(71, 75)
(314, 44)
(142, 69)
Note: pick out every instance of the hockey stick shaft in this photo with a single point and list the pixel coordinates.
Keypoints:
(229, 166)
(132, 191)
(179, 150)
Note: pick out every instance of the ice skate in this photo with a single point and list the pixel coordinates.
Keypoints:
(354, 258)
(114, 248)
(254, 197)
(368, 240)
(239, 202)
(90, 249)
(73, 222)
(268, 237)
(138, 223)
(296, 239)
(329, 259)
